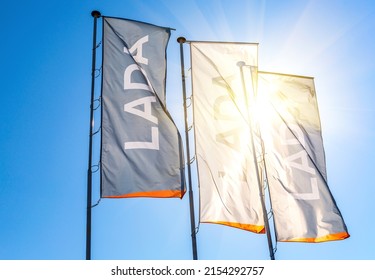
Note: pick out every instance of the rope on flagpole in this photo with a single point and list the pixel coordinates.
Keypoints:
(97, 203)
(97, 131)
(98, 72)
(99, 100)
(190, 98)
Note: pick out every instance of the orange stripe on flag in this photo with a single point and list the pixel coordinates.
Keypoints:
(329, 237)
(252, 228)
(154, 194)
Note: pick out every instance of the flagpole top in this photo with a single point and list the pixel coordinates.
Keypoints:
(96, 14)
(181, 40)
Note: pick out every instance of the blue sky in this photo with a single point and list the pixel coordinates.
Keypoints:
(45, 55)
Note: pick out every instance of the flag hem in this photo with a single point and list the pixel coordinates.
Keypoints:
(154, 194)
(329, 237)
(247, 227)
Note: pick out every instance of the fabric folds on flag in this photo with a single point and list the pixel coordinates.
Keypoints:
(141, 152)
(303, 206)
(229, 193)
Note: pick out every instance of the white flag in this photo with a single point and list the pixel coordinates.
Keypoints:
(229, 192)
(304, 209)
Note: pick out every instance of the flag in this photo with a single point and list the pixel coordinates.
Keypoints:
(303, 206)
(229, 192)
(141, 150)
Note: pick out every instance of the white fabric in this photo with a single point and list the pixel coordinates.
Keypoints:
(229, 192)
(303, 207)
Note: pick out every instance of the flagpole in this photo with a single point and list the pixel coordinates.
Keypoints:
(181, 41)
(95, 15)
(261, 189)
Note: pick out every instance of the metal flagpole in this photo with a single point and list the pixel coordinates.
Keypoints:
(261, 189)
(181, 41)
(95, 15)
